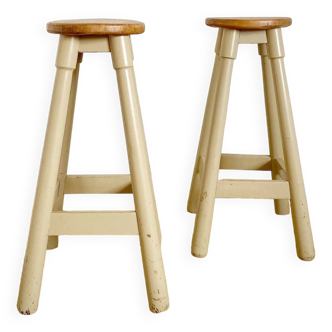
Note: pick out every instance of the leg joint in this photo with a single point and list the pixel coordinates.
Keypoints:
(229, 43)
(275, 45)
(122, 52)
(67, 52)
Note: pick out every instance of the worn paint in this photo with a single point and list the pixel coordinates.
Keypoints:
(26, 313)
(203, 196)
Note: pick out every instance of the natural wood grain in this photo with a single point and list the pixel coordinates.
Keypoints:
(249, 23)
(96, 27)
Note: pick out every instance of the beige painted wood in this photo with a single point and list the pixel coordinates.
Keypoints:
(90, 44)
(203, 222)
(248, 23)
(205, 132)
(299, 207)
(280, 168)
(98, 184)
(252, 37)
(100, 27)
(93, 223)
(38, 236)
(119, 62)
(281, 207)
(245, 162)
(53, 241)
(267, 189)
(147, 218)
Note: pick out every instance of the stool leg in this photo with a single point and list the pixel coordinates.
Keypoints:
(205, 133)
(203, 222)
(53, 241)
(37, 242)
(140, 174)
(281, 206)
(300, 214)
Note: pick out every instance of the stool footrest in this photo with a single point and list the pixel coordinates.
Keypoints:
(93, 223)
(270, 189)
(245, 162)
(98, 184)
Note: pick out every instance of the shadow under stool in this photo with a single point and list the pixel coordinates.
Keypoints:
(48, 219)
(284, 161)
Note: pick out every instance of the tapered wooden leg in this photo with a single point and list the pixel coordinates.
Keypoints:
(196, 181)
(300, 214)
(53, 241)
(146, 211)
(281, 206)
(37, 242)
(203, 222)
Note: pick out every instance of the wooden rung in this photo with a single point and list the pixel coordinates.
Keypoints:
(274, 189)
(93, 223)
(245, 162)
(98, 184)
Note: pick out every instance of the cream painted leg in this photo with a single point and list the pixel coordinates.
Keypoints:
(37, 242)
(205, 133)
(140, 174)
(53, 241)
(300, 214)
(281, 206)
(203, 222)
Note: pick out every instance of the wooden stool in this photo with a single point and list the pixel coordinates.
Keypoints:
(284, 160)
(48, 218)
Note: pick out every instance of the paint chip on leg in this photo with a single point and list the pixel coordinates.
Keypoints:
(203, 196)
(27, 312)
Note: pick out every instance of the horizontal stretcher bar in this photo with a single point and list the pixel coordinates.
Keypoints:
(270, 189)
(245, 162)
(98, 184)
(93, 223)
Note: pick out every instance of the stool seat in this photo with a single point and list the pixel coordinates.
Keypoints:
(248, 23)
(96, 27)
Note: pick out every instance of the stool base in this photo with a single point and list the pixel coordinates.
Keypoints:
(283, 161)
(48, 218)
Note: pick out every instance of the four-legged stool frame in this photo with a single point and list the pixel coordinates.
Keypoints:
(48, 218)
(283, 161)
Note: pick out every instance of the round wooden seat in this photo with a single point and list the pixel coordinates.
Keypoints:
(248, 23)
(96, 27)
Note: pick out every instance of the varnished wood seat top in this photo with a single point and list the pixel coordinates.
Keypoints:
(248, 23)
(96, 27)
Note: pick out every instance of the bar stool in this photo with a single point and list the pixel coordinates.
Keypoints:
(48, 218)
(283, 161)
